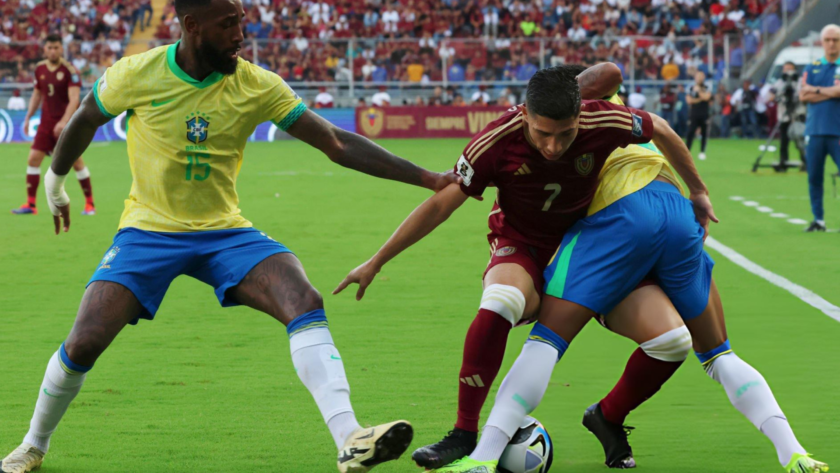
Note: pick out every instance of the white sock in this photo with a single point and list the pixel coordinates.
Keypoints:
(321, 370)
(84, 173)
(492, 444)
(520, 393)
(33, 171)
(57, 391)
(750, 394)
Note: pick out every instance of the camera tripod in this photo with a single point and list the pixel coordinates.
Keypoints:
(783, 164)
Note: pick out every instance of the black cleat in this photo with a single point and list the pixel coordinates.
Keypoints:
(613, 438)
(457, 444)
(815, 227)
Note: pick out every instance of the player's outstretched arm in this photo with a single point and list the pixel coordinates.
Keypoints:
(675, 151)
(425, 218)
(359, 153)
(73, 141)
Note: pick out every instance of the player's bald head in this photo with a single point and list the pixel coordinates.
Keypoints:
(204, 8)
(830, 30)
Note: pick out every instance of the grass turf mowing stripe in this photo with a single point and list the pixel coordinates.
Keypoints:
(802, 293)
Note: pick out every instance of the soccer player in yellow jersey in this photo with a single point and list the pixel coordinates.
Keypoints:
(639, 225)
(191, 108)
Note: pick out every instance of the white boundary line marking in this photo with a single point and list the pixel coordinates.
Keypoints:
(802, 293)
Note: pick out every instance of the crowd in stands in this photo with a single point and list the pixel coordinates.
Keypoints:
(94, 32)
(419, 40)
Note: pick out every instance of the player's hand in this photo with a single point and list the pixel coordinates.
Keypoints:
(26, 126)
(59, 127)
(63, 214)
(703, 211)
(363, 276)
(441, 180)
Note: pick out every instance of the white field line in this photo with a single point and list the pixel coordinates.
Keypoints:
(800, 292)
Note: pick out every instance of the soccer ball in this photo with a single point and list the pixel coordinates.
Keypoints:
(529, 451)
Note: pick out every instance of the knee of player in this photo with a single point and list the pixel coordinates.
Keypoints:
(671, 346)
(84, 349)
(506, 301)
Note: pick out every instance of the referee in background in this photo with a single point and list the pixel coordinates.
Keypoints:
(821, 91)
(699, 97)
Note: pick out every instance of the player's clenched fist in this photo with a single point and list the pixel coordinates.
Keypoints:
(57, 199)
(363, 276)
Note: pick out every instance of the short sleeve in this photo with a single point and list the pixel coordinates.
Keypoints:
(75, 78)
(283, 106)
(112, 91)
(475, 167)
(625, 125)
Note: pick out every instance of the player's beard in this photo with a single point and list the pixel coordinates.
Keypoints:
(219, 61)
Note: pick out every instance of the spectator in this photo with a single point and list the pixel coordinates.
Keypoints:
(744, 101)
(681, 111)
(667, 103)
(724, 111)
(16, 102)
(637, 99)
(670, 71)
(481, 96)
(458, 101)
(324, 99)
(381, 98)
(525, 70)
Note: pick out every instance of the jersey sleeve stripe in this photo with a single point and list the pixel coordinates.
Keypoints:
(99, 102)
(489, 135)
(605, 112)
(291, 117)
(606, 125)
(498, 137)
(605, 119)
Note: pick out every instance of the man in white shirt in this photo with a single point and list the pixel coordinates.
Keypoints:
(300, 42)
(577, 33)
(390, 18)
(481, 94)
(367, 70)
(16, 102)
(324, 99)
(111, 18)
(381, 98)
(637, 99)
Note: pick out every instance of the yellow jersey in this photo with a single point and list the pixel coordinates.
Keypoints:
(186, 137)
(628, 170)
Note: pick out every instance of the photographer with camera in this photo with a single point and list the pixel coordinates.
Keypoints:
(820, 89)
(785, 93)
(699, 97)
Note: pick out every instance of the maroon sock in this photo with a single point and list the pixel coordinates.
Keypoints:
(87, 189)
(32, 181)
(484, 351)
(642, 378)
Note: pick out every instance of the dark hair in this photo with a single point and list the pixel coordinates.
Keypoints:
(554, 93)
(183, 7)
(53, 38)
(789, 62)
(577, 69)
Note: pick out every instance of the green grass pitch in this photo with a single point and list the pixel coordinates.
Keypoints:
(212, 390)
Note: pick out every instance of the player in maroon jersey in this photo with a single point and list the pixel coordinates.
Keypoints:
(546, 178)
(58, 86)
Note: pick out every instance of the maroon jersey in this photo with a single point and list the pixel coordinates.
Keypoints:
(537, 199)
(54, 84)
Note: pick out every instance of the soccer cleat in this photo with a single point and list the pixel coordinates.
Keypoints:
(25, 209)
(23, 459)
(89, 210)
(702, 156)
(800, 463)
(458, 443)
(368, 447)
(613, 438)
(815, 226)
(468, 465)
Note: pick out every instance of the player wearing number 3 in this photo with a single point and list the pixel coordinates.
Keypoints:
(191, 108)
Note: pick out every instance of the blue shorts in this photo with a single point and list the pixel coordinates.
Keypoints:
(147, 262)
(652, 232)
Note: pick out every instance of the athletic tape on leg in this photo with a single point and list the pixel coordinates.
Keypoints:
(671, 346)
(507, 301)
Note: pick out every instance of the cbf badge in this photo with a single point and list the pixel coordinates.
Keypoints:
(109, 256)
(197, 124)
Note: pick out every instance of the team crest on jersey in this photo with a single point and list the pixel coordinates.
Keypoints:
(197, 124)
(109, 256)
(60, 75)
(506, 251)
(585, 163)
